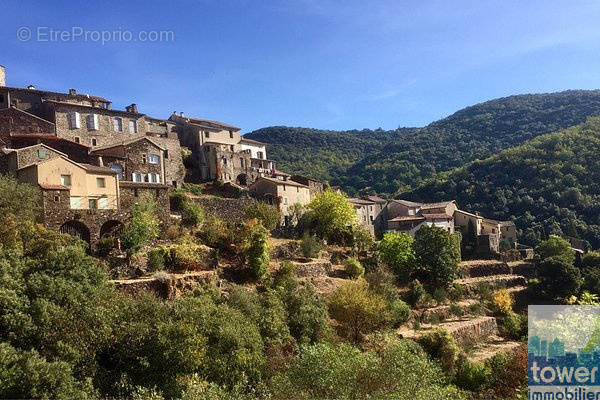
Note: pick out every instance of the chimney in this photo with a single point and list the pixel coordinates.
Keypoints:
(31, 87)
(2, 75)
(132, 108)
(181, 114)
(72, 92)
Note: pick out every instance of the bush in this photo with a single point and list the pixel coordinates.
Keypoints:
(257, 253)
(192, 214)
(558, 278)
(502, 301)
(471, 375)
(513, 326)
(105, 245)
(310, 246)
(188, 256)
(440, 295)
(556, 247)
(438, 255)
(353, 267)
(143, 227)
(357, 309)
(331, 214)
(20, 200)
(456, 310)
(156, 258)
(215, 233)
(383, 282)
(177, 200)
(440, 345)
(267, 214)
(416, 293)
(399, 313)
(396, 250)
(363, 239)
(193, 188)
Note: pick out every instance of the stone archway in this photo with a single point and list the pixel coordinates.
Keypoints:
(111, 228)
(77, 229)
(242, 179)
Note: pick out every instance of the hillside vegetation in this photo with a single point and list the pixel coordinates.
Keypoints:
(549, 185)
(389, 162)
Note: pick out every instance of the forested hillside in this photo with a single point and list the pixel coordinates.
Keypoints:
(388, 162)
(548, 185)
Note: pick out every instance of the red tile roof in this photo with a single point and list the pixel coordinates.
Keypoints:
(252, 141)
(436, 205)
(202, 122)
(46, 186)
(98, 169)
(79, 96)
(406, 218)
(436, 216)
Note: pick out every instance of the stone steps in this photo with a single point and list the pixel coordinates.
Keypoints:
(492, 346)
(462, 330)
(471, 286)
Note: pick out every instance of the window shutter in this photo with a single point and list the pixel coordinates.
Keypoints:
(92, 121)
(74, 122)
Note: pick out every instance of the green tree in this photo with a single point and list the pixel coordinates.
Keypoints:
(556, 247)
(19, 199)
(357, 309)
(332, 214)
(558, 277)
(267, 214)
(143, 227)
(397, 252)
(438, 255)
(257, 253)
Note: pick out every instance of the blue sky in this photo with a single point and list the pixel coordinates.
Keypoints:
(315, 63)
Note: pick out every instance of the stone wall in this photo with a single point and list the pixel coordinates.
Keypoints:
(229, 210)
(131, 192)
(16, 121)
(170, 288)
(174, 169)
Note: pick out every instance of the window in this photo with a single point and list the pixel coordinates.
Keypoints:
(118, 124)
(174, 183)
(259, 154)
(94, 142)
(231, 134)
(242, 162)
(75, 203)
(285, 200)
(101, 182)
(135, 192)
(119, 171)
(93, 203)
(56, 198)
(166, 154)
(153, 158)
(371, 218)
(77, 139)
(132, 126)
(206, 134)
(284, 187)
(65, 180)
(41, 153)
(1, 98)
(137, 177)
(92, 122)
(144, 159)
(154, 178)
(231, 147)
(103, 203)
(74, 121)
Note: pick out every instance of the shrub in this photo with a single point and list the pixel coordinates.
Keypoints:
(438, 255)
(193, 188)
(502, 301)
(357, 309)
(440, 345)
(383, 282)
(156, 258)
(513, 326)
(353, 267)
(363, 239)
(192, 214)
(162, 277)
(267, 214)
(143, 227)
(416, 293)
(456, 310)
(471, 375)
(257, 253)
(308, 319)
(310, 246)
(399, 313)
(558, 278)
(215, 233)
(396, 250)
(440, 295)
(188, 256)
(177, 200)
(20, 200)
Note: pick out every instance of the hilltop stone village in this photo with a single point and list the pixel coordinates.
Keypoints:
(92, 162)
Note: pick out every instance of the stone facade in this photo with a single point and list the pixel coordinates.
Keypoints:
(282, 193)
(314, 186)
(131, 192)
(228, 210)
(15, 121)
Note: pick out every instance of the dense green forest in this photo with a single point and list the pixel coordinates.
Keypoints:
(389, 162)
(549, 185)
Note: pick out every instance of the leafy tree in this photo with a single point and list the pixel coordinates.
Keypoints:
(558, 277)
(357, 309)
(20, 200)
(332, 214)
(555, 247)
(363, 239)
(438, 255)
(143, 227)
(397, 252)
(267, 214)
(192, 213)
(257, 253)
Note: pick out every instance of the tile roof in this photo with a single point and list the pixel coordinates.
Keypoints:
(50, 137)
(251, 141)
(408, 203)
(79, 96)
(47, 186)
(280, 182)
(279, 172)
(98, 169)
(436, 216)
(107, 110)
(202, 122)
(406, 218)
(375, 199)
(436, 205)
(361, 202)
(127, 142)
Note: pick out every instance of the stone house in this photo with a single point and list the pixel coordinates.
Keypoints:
(282, 193)
(315, 186)
(369, 213)
(219, 151)
(407, 216)
(490, 233)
